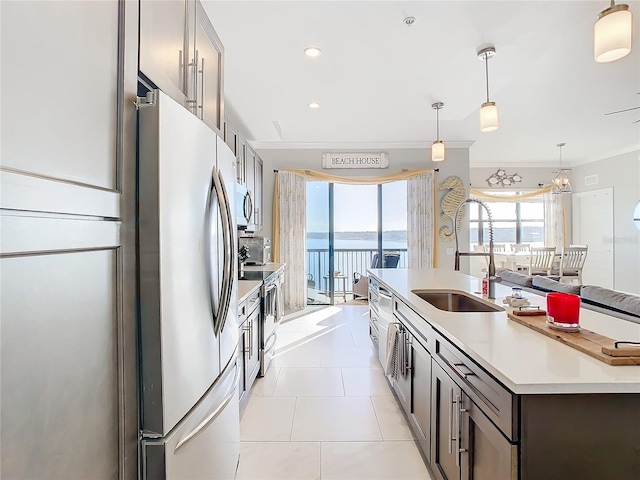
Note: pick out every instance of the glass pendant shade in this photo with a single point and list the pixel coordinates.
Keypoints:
(561, 183)
(636, 216)
(488, 117)
(612, 34)
(437, 151)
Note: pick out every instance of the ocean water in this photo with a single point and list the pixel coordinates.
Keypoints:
(350, 244)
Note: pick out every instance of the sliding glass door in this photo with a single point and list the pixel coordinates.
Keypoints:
(350, 227)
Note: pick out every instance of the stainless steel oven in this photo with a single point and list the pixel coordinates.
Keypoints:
(273, 311)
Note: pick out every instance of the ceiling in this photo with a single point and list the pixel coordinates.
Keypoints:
(377, 77)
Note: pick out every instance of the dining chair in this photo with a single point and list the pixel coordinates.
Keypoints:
(520, 247)
(541, 260)
(572, 263)
(499, 247)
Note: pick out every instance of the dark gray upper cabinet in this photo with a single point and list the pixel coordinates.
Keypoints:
(182, 55)
(208, 64)
(164, 46)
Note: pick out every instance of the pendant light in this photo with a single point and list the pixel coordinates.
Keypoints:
(488, 110)
(561, 183)
(437, 149)
(612, 33)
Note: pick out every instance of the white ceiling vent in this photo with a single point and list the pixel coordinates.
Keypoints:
(591, 180)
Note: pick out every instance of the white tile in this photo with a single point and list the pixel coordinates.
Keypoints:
(335, 419)
(286, 341)
(349, 357)
(308, 382)
(336, 336)
(279, 461)
(267, 419)
(297, 356)
(372, 461)
(365, 382)
(263, 386)
(361, 337)
(391, 420)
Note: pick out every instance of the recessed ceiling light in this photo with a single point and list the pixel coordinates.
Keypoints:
(312, 51)
(314, 105)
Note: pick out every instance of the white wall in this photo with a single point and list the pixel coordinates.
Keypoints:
(622, 173)
(456, 163)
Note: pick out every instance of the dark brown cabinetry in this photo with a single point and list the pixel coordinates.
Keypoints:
(182, 55)
(413, 382)
(481, 430)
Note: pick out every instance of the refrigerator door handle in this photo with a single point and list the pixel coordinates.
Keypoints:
(219, 316)
(213, 415)
(229, 254)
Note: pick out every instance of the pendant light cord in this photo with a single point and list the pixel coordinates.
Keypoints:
(438, 124)
(486, 69)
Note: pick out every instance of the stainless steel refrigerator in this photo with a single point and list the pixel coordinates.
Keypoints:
(188, 331)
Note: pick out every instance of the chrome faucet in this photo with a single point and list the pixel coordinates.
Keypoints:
(492, 266)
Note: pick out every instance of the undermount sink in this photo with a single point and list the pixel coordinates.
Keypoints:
(450, 301)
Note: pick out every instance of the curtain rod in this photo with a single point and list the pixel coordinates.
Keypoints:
(275, 170)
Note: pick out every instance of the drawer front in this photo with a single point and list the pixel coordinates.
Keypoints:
(416, 325)
(498, 403)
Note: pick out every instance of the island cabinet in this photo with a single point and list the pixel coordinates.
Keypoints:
(249, 317)
(181, 54)
(473, 429)
(461, 417)
(413, 382)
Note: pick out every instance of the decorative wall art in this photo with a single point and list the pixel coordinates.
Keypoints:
(454, 197)
(502, 179)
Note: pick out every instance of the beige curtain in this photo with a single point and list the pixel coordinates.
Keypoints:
(555, 221)
(289, 235)
(421, 242)
(289, 221)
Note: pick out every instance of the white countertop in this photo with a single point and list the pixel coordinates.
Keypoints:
(247, 287)
(525, 361)
(267, 267)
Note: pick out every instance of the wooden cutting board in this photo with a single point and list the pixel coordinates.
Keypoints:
(586, 341)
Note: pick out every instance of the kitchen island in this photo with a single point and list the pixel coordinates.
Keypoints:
(505, 401)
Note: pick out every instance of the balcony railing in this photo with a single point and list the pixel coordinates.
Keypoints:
(346, 261)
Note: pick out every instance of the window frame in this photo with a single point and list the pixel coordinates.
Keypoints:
(518, 220)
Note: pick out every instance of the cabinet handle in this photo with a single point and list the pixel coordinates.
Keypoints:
(461, 412)
(452, 402)
(464, 375)
(247, 348)
(457, 431)
(193, 102)
(201, 106)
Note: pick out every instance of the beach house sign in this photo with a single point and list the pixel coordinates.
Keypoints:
(355, 160)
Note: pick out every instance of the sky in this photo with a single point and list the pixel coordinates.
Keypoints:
(356, 206)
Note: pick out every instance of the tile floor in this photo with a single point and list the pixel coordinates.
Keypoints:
(324, 410)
